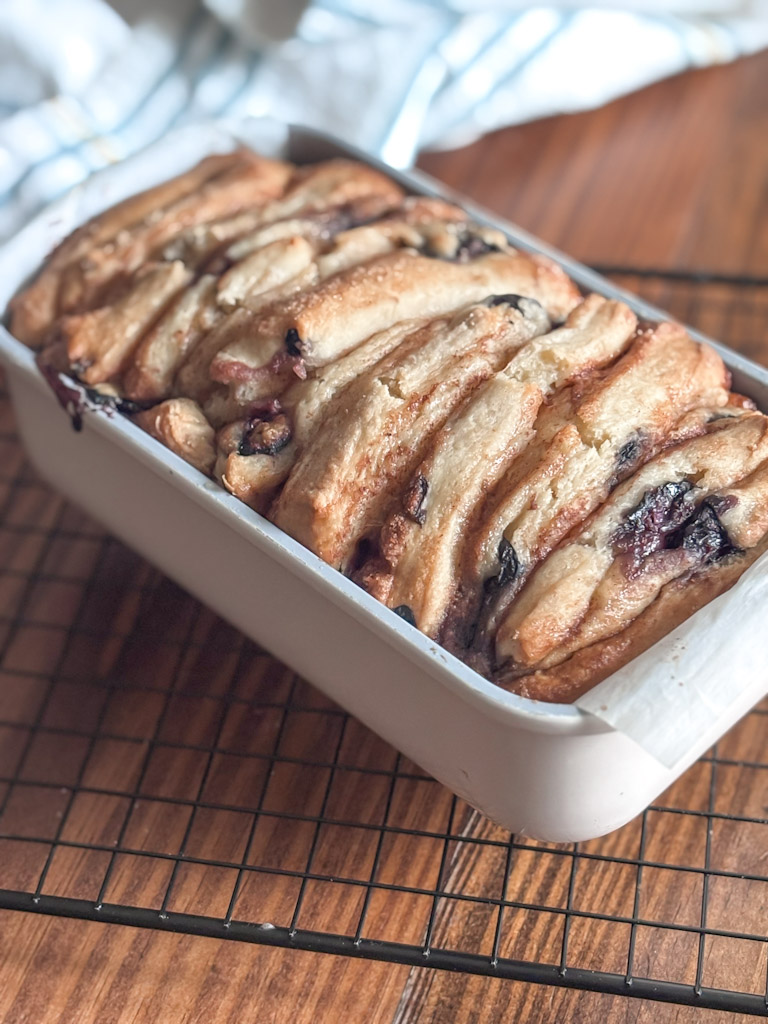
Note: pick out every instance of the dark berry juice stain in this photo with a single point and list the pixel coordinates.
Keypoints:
(414, 499)
(667, 518)
(116, 403)
(75, 398)
(292, 342)
(405, 614)
(628, 455)
(471, 246)
(265, 436)
(509, 567)
(660, 513)
(704, 535)
(506, 300)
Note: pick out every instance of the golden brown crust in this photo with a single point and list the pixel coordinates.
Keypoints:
(325, 323)
(661, 524)
(474, 448)
(255, 479)
(374, 438)
(589, 666)
(641, 399)
(336, 183)
(273, 264)
(247, 182)
(385, 384)
(594, 434)
(179, 423)
(165, 347)
(99, 343)
(315, 203)
(308, 400)
(265, 269)
(34, 309)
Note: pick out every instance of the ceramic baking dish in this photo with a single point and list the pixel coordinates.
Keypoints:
(555, 772)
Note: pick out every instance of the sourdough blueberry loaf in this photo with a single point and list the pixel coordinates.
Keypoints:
(527, 474)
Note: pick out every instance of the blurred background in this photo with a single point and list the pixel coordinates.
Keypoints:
(85, 82)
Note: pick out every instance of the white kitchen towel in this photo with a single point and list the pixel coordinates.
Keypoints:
(81, 88)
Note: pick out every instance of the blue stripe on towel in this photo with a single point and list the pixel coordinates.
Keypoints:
(536, 50)
(186, 39)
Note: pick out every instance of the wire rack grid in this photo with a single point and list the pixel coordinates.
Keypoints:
(158, 770)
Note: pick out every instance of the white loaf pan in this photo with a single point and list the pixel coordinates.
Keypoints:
(555, 772)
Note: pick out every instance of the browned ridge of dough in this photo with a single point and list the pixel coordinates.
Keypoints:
(674, 526)
(478, 443)
(246, 183)
(328, 321)
(34, 309)
(344, 479)
(594, 434)
(523, 472)
(180, 424)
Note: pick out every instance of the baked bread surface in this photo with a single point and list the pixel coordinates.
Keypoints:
(525, 473)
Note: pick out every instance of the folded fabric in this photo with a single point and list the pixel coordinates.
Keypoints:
(79, 88)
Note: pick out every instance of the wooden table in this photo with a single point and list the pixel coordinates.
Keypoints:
(673, 177)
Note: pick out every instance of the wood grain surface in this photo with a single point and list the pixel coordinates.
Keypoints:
(131, 719)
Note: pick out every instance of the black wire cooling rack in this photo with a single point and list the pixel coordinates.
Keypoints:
(157, 770)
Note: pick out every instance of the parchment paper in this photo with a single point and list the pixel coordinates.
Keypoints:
(681, 688)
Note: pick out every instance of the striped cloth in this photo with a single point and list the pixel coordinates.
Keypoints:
(80, 89)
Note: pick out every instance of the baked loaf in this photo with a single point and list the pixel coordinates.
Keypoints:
(527, 474)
